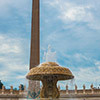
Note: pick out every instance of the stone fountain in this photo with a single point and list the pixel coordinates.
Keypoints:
(49, 73)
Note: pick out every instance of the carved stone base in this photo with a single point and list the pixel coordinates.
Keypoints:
(49, 89)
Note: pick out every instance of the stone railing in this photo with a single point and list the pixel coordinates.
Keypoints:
(92, 90)
(11, 91)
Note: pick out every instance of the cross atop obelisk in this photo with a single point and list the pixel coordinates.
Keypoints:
(35, 44)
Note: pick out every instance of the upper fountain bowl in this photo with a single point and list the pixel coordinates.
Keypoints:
(49, 69)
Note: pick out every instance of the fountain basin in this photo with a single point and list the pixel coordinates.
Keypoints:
(49, 73)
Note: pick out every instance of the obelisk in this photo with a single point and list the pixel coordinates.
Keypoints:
(34, 86)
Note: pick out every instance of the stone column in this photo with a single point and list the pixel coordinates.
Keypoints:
(66, 89)
(84, 88)
(11, 90)
(34, 86)
(3, 89)
(75, 89)
(92, 88)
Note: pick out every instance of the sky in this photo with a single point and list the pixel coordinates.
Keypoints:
(70, 27)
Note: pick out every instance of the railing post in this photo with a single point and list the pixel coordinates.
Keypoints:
(75, 89)
(3, 89)
(66, 89)
(11, 90)
(84, 88)
(92, 89)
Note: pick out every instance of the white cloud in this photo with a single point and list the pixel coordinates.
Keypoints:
(79, 57)
(12, 62)
(87, 75)
(99, 67)
(13, 56)
(97, 63)
(69, 11)
(76, 14)
(1, 59)
(22, 6)
(18, 68)
(9, 45)
(3, 75)
(10, 77)
(21, 77)
(1, 37)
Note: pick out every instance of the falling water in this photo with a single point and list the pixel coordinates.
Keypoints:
(72, 83)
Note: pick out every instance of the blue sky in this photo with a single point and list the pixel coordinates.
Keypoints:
(70, 27)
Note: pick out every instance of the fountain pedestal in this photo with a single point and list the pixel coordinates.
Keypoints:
(49, 89)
